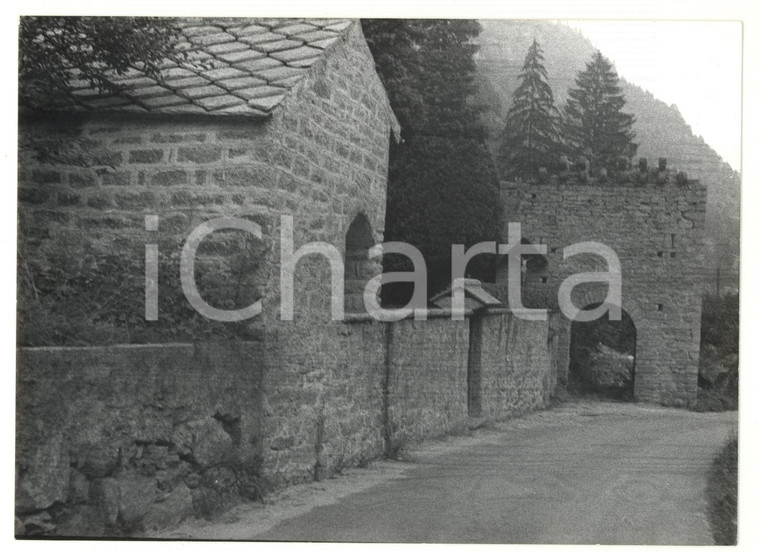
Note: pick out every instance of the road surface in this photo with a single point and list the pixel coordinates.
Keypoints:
(585, 473)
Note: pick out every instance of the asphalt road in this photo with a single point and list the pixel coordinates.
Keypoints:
(579, 474)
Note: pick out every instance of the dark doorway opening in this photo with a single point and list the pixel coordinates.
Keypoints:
(603, 357)
(358, 266)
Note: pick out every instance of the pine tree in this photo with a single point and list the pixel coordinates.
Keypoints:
(594, 123)
(442, 184)
(531, 134)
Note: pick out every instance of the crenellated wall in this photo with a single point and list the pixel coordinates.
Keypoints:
(656, 229)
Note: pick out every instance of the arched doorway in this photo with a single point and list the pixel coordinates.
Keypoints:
(603, 357)
(358, 267)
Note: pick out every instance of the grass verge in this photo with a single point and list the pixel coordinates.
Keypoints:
(722, 489)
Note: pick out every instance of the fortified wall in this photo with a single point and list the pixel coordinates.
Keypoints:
(654, 221)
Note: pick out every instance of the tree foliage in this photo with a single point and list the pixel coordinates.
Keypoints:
(428, 70)
(594, 124)
(54, 51)
(443, 186)
(531, 138)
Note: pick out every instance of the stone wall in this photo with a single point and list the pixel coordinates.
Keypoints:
(322, 158)
(427, 379)
(516, 369)
(116, 440)
(657, 232)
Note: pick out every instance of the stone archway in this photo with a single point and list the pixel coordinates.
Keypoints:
(358, 266)
(603, 357)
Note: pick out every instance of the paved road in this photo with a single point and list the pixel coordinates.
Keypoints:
(608, 474)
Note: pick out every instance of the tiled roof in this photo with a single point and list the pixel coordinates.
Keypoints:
(233, 66)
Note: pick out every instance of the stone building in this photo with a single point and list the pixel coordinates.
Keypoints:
(654, 220)
(265, 118)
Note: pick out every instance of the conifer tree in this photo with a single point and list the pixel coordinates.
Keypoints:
(531, 134)
(594, 124)
(442, 183)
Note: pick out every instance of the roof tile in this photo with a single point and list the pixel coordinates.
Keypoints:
(243, 109)
(188, 82)
(149, 92)
(254, 63)
(297, 53)
(313, 36)
(289, 82)
(198, 55)
(187, 108)
(164, 101)
(259, 92)
(227, 47)
(289, 30)
(224, 73)
(267, 103)
(324, 44)
(339, 26)
(202, 91)
(276, 46)
(243, 55)
(308, 62)
(243, 82)
(128, 74)
(248, 30)
(136, 82)
(177, 73)
(217, 102)
(260, 38)
(211, 39)
(279, 73)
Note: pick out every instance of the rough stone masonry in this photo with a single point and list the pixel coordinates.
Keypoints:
(655, 224)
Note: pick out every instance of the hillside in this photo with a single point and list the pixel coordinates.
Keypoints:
(661, 130)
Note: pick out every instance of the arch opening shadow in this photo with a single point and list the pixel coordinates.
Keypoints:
(358, 266)
(603, 358)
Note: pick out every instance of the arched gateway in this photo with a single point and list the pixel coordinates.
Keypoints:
(656, 229)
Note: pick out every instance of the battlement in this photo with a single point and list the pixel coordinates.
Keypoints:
(580, 172)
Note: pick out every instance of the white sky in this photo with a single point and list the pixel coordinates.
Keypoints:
(693, 64)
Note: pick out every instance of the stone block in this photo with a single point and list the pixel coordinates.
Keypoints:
(146, 156)
(33, 196)
(125, 499)
(170, 510)
(204, 442)
(199, 154)
(169, 178)
(67, 198)
(43, 475)
(115, 178)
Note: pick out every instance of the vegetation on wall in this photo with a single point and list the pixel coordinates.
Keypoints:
(54, 51)
(76, 295)
(58, 52)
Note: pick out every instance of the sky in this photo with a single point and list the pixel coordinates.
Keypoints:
(693, 64)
